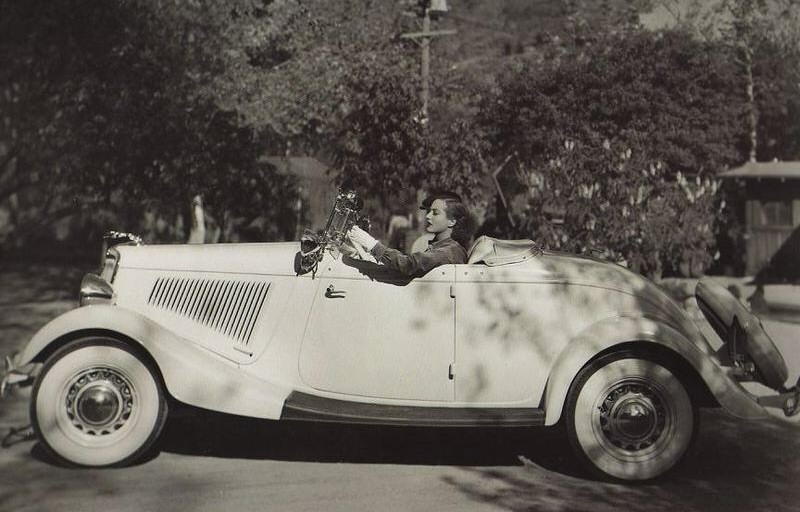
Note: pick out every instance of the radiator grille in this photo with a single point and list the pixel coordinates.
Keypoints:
(228, 307)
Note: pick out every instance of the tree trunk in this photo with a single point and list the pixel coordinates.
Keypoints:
(752, 113)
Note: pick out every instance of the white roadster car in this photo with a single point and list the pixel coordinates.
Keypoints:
(301, 331)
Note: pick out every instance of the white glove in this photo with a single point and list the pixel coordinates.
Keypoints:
(359, 237)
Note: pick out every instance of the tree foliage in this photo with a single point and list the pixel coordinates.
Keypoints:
(615, 133)
(98, 115)
(763, 38)
(387, 152)
(621, 122)
(282, 66)
(619, 202)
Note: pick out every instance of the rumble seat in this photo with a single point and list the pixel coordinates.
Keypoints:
(493, 252)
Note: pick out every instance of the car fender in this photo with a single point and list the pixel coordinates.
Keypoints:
(192, 374)
(614, 331)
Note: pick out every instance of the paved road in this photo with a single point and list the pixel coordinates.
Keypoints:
(213, 462)
(207, 462)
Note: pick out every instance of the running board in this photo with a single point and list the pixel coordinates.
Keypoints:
(304, 407)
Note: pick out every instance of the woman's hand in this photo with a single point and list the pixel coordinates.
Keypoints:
(348, 249)
(361, 238)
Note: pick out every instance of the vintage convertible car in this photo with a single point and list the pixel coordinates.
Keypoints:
(302, 331)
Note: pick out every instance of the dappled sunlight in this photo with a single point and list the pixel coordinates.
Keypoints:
(380, 334)
(736, 466)
(513, 322)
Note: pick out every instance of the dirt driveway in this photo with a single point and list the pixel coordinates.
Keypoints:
(208, 461)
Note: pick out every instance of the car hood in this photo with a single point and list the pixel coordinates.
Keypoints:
(259, 258)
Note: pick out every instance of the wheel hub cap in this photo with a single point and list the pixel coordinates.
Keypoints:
(632, 417)
(99, 401)
(97, 405)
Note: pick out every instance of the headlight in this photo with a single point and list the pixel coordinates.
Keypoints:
(95, 290)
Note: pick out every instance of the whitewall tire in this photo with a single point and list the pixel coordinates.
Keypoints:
(629, 418)
(97, 403)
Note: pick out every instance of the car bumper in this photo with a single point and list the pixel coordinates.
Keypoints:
(787, 401)
(14, 376)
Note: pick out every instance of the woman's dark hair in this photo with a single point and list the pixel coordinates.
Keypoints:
(455, 210)
(438, 194)
(465, 223)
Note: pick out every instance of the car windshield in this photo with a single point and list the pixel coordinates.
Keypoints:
(344, 215)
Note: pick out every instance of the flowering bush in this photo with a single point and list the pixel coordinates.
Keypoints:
(620, 203)
(617, 146)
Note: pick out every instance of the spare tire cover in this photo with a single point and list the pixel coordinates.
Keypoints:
(722, 309)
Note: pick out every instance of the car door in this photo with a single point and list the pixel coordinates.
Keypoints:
(375, 334)
(510, 326)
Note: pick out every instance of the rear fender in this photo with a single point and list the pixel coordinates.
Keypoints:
(616, 331)
(192, 374)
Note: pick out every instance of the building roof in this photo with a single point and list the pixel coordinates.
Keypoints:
(765, 170)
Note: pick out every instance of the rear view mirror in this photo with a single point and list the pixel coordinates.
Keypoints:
(309, 243)
(310, 253)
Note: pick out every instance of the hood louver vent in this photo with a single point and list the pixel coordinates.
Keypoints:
(228, 307)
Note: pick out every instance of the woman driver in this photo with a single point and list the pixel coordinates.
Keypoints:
(450, 223)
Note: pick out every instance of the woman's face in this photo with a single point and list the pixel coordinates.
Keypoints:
(436, 220)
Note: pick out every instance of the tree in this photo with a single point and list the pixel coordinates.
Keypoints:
(99, 115)
(281, 66)
(664, 101)
(764, 41)
(46, 78)
(384, 150)
(777, 101)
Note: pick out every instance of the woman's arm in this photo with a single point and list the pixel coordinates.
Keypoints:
(414, 264)
(417, 263)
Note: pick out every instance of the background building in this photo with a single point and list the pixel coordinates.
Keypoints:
(771, 216)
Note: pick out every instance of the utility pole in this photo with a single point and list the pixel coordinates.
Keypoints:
(426, 62)
(427, 9)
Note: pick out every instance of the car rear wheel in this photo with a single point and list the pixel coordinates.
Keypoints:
(97, 403)
(629, 418)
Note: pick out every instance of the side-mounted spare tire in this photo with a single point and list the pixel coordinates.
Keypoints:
(724, 312)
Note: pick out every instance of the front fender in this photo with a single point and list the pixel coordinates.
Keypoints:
(191, 373)
(619, 330)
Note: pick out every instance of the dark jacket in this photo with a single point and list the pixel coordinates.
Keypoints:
(440, 252)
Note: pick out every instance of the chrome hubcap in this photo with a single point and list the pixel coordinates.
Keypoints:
(632, 416)
(99, 401)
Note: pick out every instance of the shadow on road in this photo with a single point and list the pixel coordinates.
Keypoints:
(192, 431)
(734, 466)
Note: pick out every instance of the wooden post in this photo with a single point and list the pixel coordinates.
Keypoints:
(426, 62)
(425, 42)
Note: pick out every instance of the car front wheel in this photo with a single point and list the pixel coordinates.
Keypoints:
(629, 418)
(97, 403)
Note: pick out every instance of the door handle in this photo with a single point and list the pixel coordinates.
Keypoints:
(333, 293)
